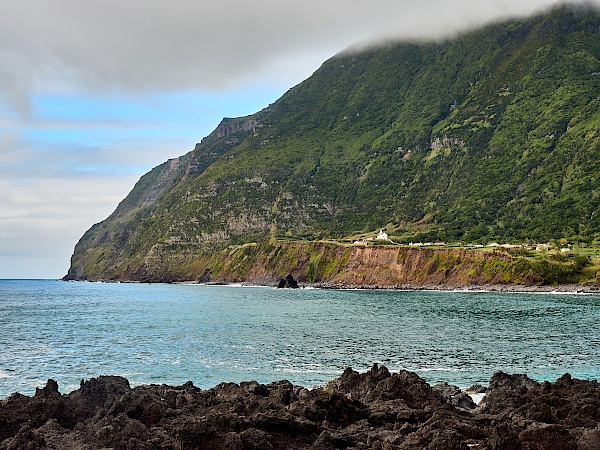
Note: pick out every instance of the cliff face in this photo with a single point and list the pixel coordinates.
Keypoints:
(103, 243)
(492, 135)
(337, 265)
(385, 266)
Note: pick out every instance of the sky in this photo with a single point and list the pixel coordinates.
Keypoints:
(95, 93)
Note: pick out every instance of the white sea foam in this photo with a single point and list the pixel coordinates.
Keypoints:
(240, 347)
(235, 285)
(567, 293)
(471, 291)
(3, 374)
(477, 398)
(512, 290)
(320, 371)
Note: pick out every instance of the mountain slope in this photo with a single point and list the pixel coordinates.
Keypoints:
(491, 135)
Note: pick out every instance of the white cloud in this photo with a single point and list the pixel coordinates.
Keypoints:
(52, 193)
(41, 221)
(147, 45)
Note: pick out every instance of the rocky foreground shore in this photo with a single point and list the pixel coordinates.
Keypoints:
(373, 410)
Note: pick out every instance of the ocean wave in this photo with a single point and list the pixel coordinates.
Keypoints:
(301, 371)
(192, 333)
(477, 398)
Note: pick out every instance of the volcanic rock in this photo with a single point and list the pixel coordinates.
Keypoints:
(371, 410)
(288, 282)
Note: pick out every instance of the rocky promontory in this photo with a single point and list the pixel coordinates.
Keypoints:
(499, 147)
(372, 410)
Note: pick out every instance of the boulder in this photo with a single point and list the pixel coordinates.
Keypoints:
(453, 396)
(288, 282)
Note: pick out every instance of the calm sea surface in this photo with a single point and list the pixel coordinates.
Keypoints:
(209, 334)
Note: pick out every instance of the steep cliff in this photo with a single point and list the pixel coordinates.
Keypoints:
(491, 135)
(332, 264)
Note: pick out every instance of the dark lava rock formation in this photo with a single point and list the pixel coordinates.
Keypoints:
(373, 410)
(288, 282)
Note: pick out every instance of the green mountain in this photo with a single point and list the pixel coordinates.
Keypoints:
(492, 135)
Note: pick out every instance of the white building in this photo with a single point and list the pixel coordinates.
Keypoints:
(382, 236)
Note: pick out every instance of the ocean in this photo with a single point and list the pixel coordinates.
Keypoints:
(153, 333)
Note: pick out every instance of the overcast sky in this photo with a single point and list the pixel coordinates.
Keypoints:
(95, 93)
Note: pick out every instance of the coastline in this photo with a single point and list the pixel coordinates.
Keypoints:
(531, 289)
(473, 288)
(357, 411)
(333, 265)
(365, 409)
(568, 288)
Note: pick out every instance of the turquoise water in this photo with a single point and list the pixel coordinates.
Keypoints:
(210, 334)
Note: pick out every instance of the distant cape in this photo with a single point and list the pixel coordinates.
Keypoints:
(491, 136)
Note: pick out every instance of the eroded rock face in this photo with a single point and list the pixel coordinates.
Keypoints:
(372, 410)
(454, 396)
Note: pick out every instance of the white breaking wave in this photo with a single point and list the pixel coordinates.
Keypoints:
(477, 398)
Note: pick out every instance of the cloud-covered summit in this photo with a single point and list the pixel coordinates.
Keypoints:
(147, 45)
(94, 93)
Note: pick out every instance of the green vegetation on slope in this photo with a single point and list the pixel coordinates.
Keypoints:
(493, 135)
